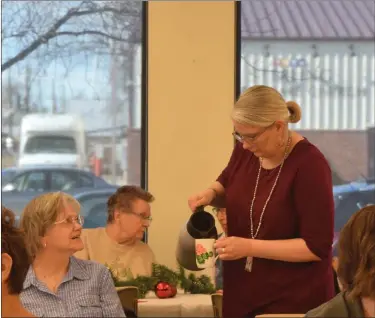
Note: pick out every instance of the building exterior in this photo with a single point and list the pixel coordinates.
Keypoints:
(319, 53)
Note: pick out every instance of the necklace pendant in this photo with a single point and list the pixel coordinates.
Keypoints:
(249, 264)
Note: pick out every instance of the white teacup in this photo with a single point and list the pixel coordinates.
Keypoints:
(205, 253)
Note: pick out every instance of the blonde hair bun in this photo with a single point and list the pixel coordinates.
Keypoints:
(295, 112)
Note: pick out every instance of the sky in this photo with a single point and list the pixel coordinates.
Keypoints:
(83, 81)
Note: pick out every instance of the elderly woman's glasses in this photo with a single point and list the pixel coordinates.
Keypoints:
(71, 220)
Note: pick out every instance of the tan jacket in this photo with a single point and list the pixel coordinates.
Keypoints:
(122, 259)
(340, 306)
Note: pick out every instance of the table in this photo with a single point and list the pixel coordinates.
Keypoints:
(182, 305)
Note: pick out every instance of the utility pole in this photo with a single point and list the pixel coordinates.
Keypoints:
(27, 89)
(63, 99)
(40, 95)
(113, 108)
(11, 106)
(54, 101)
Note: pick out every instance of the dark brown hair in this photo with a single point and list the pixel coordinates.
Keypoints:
(123, 198)
(13, 244)
(356, 269)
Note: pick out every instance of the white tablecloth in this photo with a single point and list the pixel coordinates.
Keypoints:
(182, 305)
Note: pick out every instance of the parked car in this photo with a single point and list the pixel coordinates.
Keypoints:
(49, 178)
(24, 184)
(94, 206)
(349, 198)
(7, 175)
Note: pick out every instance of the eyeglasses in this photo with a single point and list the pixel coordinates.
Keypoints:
(71, 220)
(218, 210)
(252, 138)
(142, 217)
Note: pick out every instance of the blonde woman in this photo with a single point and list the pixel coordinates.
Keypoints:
(58, 284)
(277, 191)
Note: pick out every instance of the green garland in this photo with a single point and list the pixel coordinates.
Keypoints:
(161, 273)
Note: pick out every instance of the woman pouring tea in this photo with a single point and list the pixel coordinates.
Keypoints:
(277, 191)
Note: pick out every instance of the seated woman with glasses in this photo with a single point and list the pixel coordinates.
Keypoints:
(119, 245)
(14, 266)
(356, 269)
(57, 284)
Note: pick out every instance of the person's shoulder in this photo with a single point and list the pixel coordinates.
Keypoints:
(333, 308)
(306, 153)
(93, 233)
(144, 248)
(306, 148)
(89, 267)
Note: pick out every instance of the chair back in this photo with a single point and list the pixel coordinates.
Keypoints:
(217, 305)
(129, 298)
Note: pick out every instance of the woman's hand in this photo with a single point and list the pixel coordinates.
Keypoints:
(232, 248)
(201, 199)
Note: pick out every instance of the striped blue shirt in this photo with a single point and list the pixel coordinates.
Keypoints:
(87, 290)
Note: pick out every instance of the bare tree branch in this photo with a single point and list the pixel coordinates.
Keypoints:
(91, 32)
(52, 32)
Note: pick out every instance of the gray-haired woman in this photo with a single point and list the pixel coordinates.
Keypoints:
(58, 284)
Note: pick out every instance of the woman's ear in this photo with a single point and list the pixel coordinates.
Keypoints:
(116, 215)
(280, 125)
(43, 242)
(6, 266)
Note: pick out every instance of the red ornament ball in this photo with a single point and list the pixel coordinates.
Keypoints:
(165, 290)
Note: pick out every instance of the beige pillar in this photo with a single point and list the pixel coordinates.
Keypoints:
(191, 90)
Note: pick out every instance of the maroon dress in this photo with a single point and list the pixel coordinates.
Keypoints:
(301, 206)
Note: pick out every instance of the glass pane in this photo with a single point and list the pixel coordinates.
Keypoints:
(85, 181)
(35, 181)
(61, 181)
(71, 95)
(321, 55)
(94, 210)
(51, 144)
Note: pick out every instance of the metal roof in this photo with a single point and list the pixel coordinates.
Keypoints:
(308, 19)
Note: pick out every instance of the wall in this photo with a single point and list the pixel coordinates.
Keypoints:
(191, 89)
(335, 88)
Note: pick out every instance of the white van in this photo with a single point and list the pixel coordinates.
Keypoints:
(52, 139)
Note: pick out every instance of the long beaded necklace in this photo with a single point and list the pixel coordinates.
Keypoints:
(249, 259)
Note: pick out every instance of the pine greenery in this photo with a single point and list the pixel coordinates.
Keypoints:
(161, 273)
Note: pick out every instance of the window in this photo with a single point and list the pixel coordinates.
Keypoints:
(7, 176)
(85, 181)
(50, 144)
(75, 99)
(94, 210)
(63, 180)
(323, 58)
(32, 181)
